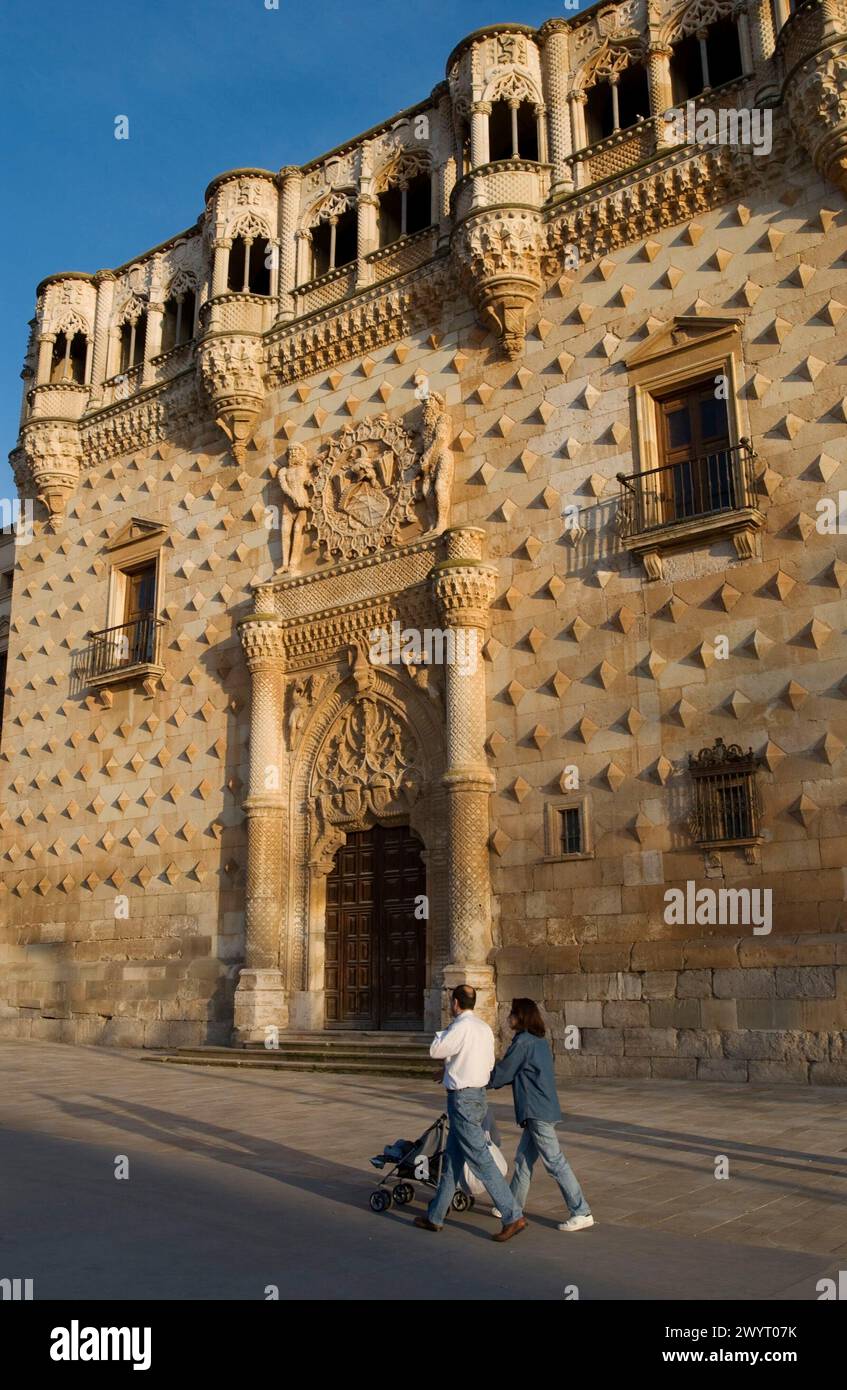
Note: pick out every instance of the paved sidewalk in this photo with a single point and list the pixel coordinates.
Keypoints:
(243, 1180)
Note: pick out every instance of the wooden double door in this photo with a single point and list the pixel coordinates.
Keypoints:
(375, 944)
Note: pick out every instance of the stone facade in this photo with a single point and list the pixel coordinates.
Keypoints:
(308, 428)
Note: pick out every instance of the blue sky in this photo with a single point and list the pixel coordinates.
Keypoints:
(207, 85)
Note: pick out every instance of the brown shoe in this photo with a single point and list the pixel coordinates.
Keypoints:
(425, 1224)
(510, 1230)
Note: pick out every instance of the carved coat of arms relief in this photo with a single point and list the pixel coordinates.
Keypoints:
(370, 487)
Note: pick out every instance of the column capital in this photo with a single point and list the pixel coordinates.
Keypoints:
(101, 277)
(464, 591)
(481, 108)
(290, 171)
(262, 640)
(550, 27)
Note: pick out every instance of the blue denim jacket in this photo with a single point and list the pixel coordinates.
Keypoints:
(528, 1064)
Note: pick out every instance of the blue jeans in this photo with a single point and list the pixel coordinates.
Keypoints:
(466, 1144)
(539, 1139)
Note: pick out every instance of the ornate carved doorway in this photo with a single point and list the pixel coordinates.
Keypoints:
(375, 945)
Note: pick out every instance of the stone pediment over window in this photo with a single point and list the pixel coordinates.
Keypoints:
(137, 530)
(684, 333)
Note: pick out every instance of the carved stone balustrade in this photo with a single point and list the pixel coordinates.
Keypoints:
(516, 181)
(238, 313)
(64, 400)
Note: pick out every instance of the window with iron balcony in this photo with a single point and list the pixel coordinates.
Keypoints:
(697, 479)
(129, 647)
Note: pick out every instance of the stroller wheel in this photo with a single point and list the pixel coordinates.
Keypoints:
(403, 1193)
(380, 1200)
(461, 1201)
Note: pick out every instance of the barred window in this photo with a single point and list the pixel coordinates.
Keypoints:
(568, 829)
(726, 801)
(570, 825)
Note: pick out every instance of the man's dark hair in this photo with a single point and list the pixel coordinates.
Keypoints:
(465, 996)
(528, 1015)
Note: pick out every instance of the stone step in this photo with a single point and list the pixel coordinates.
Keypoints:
(371, 1066)
(296, 1052)
(353, 1052)
(352, 1035)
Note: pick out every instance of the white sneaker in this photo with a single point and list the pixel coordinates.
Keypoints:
(576, 1223)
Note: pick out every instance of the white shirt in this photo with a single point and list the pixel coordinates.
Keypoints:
(467, 1048)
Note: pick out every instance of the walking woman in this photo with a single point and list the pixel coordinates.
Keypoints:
(528, 1065)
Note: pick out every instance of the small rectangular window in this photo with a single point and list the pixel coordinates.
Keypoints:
(567, 828)
(570, 820)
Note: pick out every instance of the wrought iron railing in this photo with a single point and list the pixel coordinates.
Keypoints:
(128, 644)
(680, 492)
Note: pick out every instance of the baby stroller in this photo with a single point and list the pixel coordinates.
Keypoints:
(420, 1159)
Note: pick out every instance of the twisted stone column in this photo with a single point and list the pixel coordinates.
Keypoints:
(464, 589)
(480, 111)
(367, 233)
(260, 999)
(556, 69)
(289, 212)
(661, 96)
(105, 282)
(220, 265)
(445, 177)
(45, 358)
(152, 342)
(762, 36)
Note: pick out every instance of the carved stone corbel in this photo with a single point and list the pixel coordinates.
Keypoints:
(230, 368)
(502, 253)
(52, 452)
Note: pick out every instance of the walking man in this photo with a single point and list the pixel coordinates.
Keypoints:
(467, 1049)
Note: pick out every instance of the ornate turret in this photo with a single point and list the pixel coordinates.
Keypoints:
(816, 86)
(499, 240)
(242, 213)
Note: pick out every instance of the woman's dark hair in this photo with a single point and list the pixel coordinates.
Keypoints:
(528, 1015)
